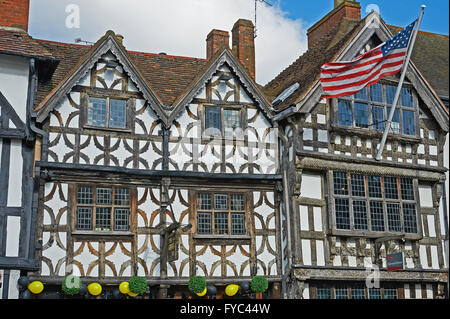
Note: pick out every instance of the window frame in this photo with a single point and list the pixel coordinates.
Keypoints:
(368, 199)
(246, 212)
(129, 117)
(331, 288)
(241, 109)
(384, 105)
(73, 191)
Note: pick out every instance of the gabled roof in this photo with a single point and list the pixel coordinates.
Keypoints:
(306, 69)
(431, 56)
(335, 46)
(18, 42)
(170, 81)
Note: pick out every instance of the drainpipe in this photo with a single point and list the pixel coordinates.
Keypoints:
(31, 117)
(445, 211)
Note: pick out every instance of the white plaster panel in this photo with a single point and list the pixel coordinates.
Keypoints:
(15, 175)
(12, 236)
(304, 224)
(317, 214)
(320, 253)
(306, 251)
(425, 194)
(311, 186)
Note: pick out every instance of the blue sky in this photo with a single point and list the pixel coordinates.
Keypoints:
(395, 12)
(180, 27)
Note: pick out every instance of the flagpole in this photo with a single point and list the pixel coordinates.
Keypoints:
(399, 87)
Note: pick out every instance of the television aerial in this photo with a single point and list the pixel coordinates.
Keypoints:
(256, 5)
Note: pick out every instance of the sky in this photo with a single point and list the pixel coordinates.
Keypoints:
(180, 27)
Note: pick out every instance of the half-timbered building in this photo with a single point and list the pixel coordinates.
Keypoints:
(20, 58)
(347, 211)
(137, 147)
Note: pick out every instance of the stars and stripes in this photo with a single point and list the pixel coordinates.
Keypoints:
(347, 78)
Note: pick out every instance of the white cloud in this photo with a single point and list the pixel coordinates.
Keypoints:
(177, 27)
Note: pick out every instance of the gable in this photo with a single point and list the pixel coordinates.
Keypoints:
(241, 76)
(375, 32)
(8, 116)
(108, 45)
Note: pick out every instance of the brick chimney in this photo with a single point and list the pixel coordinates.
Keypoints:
(216, 40)
(343, 9)
(14, 14)
(243, 41)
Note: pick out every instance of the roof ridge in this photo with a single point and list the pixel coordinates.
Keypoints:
(438, 35)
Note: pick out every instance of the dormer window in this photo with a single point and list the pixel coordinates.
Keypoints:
(107, 113)
(370, 107)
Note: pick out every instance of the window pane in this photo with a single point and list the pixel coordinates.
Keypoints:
(84, 195)
(378, 118)
(97, 112)
(237, 224)
(237, 202)
(204, 201)
(340, 183)
(393, 215)
(323, 292)
(374, 293)
(358, 293)
(390, 293)
(395, 124)
(341, 292)
(390, 94)
(390, 188)
(122, 197)
(358, 188)
(342, 213)
(212, 121)
(121, 219)
(221, 223)
(376, 93)
(361, 95)
(118, 113)
(104, 196)
(409, 216)
(377, 216)
(221, 201)
(204, 223)
(407, 98)
(374, 186)
(409, 126)
(230, 121)
(345, 113)
(84, 218)
(103, 218)
(360, 214)
(361, 115)
(406, 185)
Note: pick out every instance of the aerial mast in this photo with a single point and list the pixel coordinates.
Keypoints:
(256, 5)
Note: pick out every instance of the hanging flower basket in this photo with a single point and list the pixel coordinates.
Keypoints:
(71, 285)
(137, 285)
(259, 284)
(197, 284)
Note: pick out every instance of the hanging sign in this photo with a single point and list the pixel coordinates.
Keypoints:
(172, 246)
(394, 261)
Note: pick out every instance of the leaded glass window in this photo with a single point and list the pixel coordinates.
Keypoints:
(221, 214)
(107, 112)
(103, 208)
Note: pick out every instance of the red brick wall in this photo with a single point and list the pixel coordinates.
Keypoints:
(215, 40)
(244, 44)
(14, 13)
(347, 10)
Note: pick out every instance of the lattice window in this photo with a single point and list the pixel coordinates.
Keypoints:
(370, 107)
(374, 293)
(390, 293)
(107, 112)
(103, 208)
(375, 203)
(323, 292)
(358, 293)
(341, 292)
(221, 214)
(222, 120)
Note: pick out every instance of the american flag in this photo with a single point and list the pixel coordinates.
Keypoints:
(347, 78)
